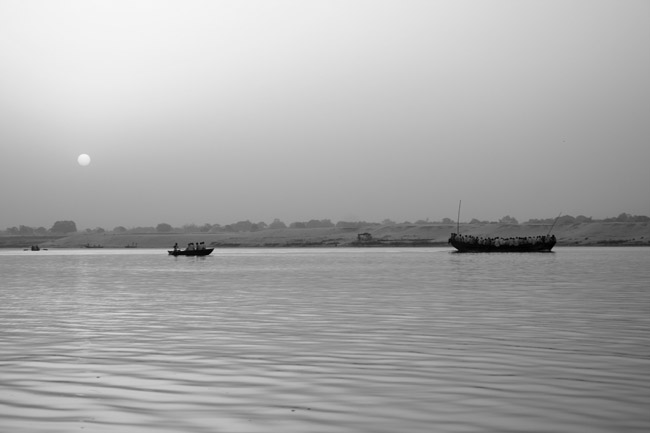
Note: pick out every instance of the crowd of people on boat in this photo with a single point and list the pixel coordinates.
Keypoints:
(499, 241)
(191, 246)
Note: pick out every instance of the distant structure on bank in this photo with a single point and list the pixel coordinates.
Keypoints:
(364, 237)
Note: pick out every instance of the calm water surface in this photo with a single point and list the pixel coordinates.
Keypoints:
(325, 340)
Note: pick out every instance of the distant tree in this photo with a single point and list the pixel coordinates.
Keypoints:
(540, 221)
(13, 231)
(627, 218)
(297, 225)
(565, 219)
(41, 231)
(583, 219)
(241, 226)
(143, 230)
(205, 228)
(316, 224)
(508, 220)
(448, 221)
(190, 228)
(99, 230)
(619, 219)
(25, 231)
(388, 222)
(119, 229)
(216, 228)
(64, 227)
(277, 224)
(355, 224)
(261, 225)
(164, 228)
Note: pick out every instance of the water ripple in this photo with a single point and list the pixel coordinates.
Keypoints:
(326, 341)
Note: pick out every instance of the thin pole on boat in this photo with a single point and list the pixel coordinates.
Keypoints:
(549, 230)
(458, 219)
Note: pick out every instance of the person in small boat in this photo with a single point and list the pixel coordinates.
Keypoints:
(202, 246)
(176, 246)
(190, 246)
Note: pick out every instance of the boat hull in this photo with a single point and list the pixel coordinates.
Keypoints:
(204, 252)
(470, 247)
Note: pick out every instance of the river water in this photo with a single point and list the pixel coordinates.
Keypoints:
(325, 340)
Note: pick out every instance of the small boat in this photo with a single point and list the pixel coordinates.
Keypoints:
(199, 252)
(479, 244)
(93, 246)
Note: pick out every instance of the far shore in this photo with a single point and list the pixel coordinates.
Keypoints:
(394, 235)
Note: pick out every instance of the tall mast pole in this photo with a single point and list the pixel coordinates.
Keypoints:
(549, 230)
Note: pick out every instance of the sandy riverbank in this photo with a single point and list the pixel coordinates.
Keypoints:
(594, 233)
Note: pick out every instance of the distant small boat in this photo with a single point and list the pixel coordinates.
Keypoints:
(479, 244)
(93, 246)
(199, 252)
(133, 245)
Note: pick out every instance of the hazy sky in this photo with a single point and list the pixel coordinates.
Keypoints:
(220, 111)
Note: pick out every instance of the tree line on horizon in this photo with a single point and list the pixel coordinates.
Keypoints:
(67, 226)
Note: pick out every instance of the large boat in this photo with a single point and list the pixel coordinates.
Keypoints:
(479, 244)
(199, 252)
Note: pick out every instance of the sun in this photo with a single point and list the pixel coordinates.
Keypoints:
(83, 160)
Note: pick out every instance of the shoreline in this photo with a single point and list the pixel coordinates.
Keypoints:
(367, 236)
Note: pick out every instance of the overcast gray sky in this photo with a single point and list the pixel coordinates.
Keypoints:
(219, 111)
